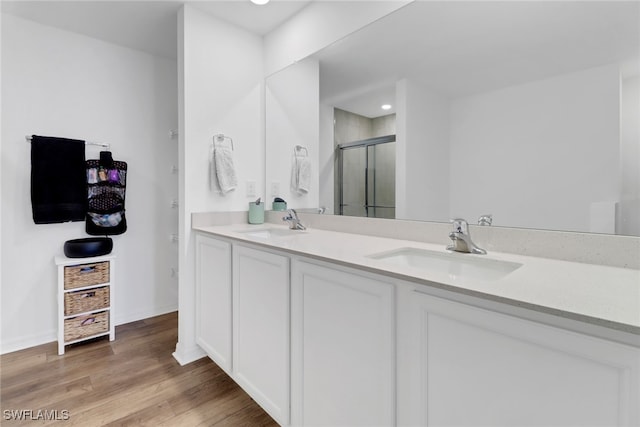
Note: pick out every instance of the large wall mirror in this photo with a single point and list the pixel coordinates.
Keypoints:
(528, 111)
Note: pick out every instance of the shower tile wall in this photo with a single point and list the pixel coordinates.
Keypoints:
(350, 127)
(384, 125)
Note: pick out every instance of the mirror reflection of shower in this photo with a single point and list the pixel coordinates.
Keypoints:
(366, 164)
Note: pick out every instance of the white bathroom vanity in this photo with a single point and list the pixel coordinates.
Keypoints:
(330, 328)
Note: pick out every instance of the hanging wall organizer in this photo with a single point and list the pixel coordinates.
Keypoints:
(106, 187)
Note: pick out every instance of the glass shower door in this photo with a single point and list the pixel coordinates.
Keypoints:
(354, 178)
(381, 181)
(367, 178)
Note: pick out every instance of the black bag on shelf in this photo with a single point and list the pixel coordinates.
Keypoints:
(106, 187)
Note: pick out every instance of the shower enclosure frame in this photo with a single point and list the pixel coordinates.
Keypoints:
(365, 143)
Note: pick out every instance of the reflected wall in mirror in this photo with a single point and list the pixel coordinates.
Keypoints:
(528, 111)
(292, 111)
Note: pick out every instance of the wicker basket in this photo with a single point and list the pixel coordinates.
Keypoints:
(78, 276)
(87, 300)
(86, 326)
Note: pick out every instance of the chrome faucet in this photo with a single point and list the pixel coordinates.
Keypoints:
(462, 239)
(292, 219)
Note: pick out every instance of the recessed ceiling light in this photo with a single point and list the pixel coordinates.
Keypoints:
(260, 2)
(386, 107)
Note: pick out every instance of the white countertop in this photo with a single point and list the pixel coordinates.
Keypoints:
(607, 296)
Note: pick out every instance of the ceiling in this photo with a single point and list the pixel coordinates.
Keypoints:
(459, 47)
(258, 19)
(466, 47)
(149, 26)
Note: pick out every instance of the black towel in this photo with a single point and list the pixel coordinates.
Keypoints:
(58, 180)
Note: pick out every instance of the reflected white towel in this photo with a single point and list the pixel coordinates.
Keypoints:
(213, 180)
(304, 174)
(294, 174)
(225, 171)
(300, 174)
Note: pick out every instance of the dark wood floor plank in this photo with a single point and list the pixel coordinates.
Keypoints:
(72, 366)
(211, 402)
(132, 381)
(47, 396)
(251, 415)
(151, 416)
(214, 410)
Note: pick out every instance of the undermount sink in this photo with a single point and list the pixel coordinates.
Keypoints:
(269, 233)
(456, 265)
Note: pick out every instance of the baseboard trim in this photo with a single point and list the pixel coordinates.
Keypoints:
(51, 336)
(141, 315)
(28, 341)
(186, 356)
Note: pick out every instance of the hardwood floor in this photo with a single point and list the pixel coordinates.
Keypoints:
(131, 381)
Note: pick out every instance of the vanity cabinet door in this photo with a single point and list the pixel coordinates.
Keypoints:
(462, 365)
(343, 348)
(261, 328)
(213, 299)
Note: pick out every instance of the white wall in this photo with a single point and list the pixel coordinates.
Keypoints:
(327, 160)
(59, 83)
(292, 111)
(221, 70)
(422, 153)
(629, 209)
(543, 129)
(221, 90)
(317, 26)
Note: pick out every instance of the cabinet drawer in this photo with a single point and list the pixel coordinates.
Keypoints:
(87, 300)
(86, 326)
(78, 276)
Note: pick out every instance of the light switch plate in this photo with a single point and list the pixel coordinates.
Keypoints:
(251, 189)
(275, 189)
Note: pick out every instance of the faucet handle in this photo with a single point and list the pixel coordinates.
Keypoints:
(460, 225)
(486, 219)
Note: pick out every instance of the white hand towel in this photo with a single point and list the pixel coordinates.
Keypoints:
(294, 174)
(300, 174)
(304, 175)
(225, 170)
(213, 179)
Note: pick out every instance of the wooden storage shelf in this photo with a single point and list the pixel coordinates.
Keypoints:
(85, 299)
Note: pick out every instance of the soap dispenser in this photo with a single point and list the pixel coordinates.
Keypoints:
(256, 212)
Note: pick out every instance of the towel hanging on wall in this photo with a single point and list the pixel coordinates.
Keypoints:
(300, 170)
(222, 172)
(58, 186)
